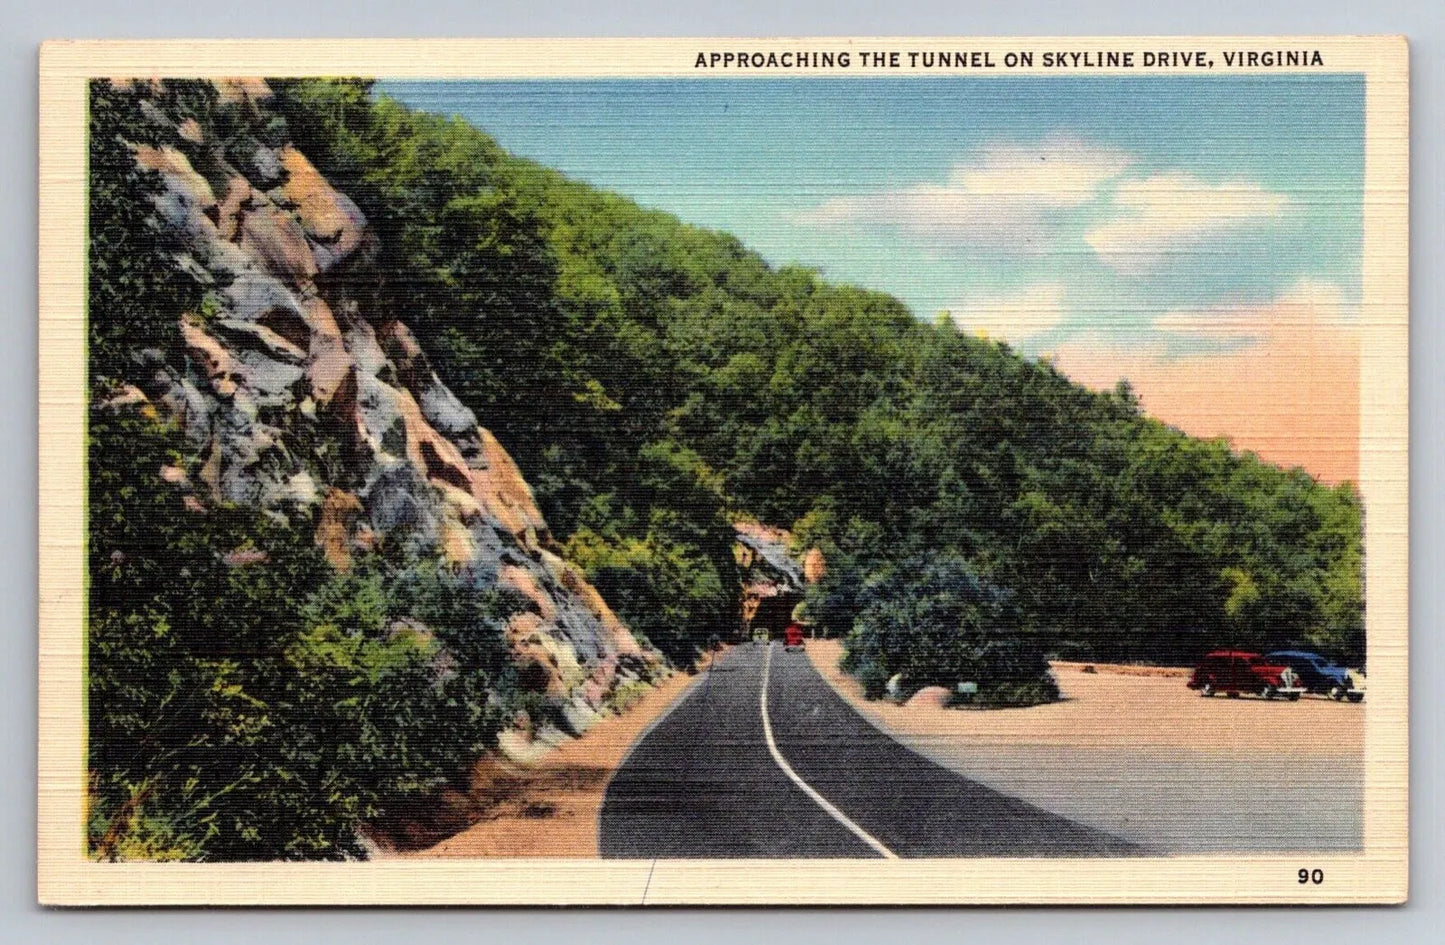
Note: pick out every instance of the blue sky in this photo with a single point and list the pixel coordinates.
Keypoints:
(1163, 213)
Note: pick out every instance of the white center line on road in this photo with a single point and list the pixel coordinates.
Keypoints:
(819, 799)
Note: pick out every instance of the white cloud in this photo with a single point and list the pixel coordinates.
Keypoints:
(1015, 318)
(1056, 173)
(1007, 196)
(1174, 212)
(1307, 303)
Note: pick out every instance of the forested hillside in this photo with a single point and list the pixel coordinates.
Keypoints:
(321, 328)
(649, 374)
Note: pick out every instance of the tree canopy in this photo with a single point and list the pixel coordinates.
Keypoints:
(624, 334)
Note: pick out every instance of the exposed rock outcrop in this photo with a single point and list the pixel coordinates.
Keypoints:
(305, 404)
(774, 576)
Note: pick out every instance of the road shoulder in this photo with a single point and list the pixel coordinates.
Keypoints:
(550, 806)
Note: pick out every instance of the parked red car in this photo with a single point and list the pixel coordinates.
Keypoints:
(1234, 671)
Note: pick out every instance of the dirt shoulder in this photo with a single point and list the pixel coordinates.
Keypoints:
(1118, 707)
(549, 807)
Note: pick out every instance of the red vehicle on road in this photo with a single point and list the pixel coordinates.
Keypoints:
(793, 637)
(1235, 671)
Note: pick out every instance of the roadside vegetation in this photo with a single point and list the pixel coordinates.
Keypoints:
(247, 701)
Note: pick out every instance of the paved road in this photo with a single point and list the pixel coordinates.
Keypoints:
(707, 782)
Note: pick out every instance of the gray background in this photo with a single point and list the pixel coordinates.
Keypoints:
(24, 23)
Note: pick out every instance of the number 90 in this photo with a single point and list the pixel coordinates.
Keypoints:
(1315, 876)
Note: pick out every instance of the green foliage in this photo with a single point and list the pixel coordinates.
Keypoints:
(669, 575)
(261, 705)
(135, 291)
(935, 622)
(656, 585)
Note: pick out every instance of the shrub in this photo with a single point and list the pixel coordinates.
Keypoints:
(937, 623)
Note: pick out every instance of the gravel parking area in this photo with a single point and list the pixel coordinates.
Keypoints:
(1136, 753)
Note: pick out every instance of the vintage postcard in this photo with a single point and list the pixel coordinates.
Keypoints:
(809, 471)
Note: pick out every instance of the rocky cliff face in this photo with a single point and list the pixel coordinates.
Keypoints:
(774, 576)
(301, 400)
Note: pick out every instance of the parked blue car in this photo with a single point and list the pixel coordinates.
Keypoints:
(1319, 675)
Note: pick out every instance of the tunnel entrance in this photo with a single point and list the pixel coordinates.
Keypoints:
(773, 578)
(768, 609)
